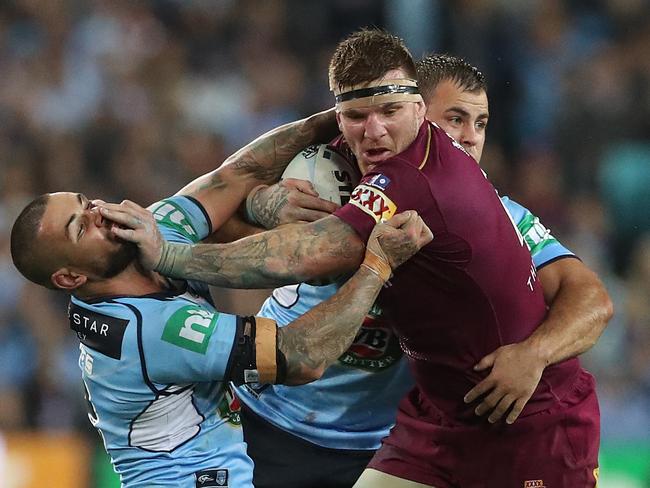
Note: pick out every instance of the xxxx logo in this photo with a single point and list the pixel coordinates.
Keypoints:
(534, 484)
(373, 202)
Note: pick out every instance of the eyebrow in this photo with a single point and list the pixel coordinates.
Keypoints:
(72, 217)
(382, 106)
(465, 113)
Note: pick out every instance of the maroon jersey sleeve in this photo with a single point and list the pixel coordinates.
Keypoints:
(395, 186)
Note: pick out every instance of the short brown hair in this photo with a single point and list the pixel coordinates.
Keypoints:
(25, 248)
(435, 68)
(367, 55)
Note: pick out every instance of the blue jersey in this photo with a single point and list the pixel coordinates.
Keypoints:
(155, 372)
(353, 406)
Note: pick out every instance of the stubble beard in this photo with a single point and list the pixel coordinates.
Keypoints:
(120, 259)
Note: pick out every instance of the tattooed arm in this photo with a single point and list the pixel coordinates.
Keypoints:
(261, 161)
(327, 248)
(290, 200)
(316, 339)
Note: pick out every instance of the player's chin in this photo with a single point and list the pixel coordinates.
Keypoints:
(122, 256)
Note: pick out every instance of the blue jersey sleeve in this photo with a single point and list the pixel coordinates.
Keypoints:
(181, 219)
(544, 248)
(186, 341)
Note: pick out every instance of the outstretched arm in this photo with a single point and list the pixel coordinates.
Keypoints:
(293, 253)
(259, 162)
(316, 339)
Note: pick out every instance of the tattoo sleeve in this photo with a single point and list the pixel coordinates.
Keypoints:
(266, 210)
(261, 161)
(265, 158)
(316, 339)
(327, 248)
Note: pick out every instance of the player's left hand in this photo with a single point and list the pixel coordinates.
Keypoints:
(516, 371)
(290, 200)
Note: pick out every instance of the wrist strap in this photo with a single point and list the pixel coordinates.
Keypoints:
(377, 265)
(250, 215)
(173, 258)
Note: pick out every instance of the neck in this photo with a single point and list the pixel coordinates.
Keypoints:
(131, 281)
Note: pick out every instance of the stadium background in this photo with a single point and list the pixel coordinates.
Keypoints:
(132, 99)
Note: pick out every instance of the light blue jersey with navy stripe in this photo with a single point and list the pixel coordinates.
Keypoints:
(353, 406)
(155, 368)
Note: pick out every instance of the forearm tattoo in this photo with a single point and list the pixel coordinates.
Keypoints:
(214, 182)
(316, 339)
(292, 254)
(265, 158)
(266, 205)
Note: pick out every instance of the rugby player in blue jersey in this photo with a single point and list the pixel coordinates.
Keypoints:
(156, 356)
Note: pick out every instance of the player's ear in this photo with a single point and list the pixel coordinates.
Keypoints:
(66, 279)
(338, 120)
(421, 109)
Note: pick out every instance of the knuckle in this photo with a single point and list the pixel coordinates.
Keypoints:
(490, 403)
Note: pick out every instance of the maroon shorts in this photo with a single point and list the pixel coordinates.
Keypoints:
(554, 448)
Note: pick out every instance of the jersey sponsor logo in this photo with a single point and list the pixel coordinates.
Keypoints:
(375, 346)
(310, 151)
(190, 327)
(211, 477)
(534, 484)
(373, 202)
(171, 215)
(536, 235)
(98, 331)
(378, 181)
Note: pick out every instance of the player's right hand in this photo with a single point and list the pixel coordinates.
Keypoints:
(137, 225)
(288, 201)
(399, 238)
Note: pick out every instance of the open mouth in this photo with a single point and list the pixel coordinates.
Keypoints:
(377, 154)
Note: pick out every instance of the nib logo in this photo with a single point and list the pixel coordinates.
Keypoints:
(210, 478)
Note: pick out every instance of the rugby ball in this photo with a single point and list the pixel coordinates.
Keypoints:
(333, 176)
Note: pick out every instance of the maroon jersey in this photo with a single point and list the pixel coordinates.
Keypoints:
(472, 289)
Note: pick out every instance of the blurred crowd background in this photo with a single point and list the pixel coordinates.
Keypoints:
(133, 99)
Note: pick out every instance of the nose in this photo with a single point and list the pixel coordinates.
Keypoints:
(469, 136)
(96, 216)
(374, 127)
